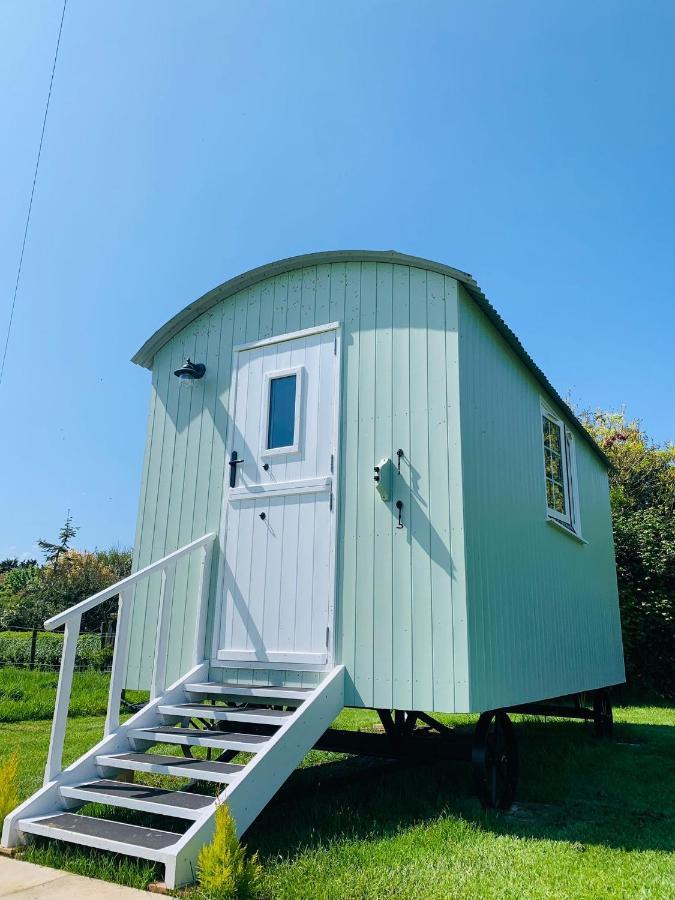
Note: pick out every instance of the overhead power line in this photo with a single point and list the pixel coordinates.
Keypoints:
(32, 194)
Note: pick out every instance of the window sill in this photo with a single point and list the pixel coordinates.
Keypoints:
(560, 527)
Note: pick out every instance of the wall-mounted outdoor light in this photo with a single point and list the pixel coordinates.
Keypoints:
(190, 371)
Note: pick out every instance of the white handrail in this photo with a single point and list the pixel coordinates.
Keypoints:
(85, 605)
(72, 618)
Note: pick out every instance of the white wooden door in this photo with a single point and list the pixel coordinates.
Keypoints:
(278, 572)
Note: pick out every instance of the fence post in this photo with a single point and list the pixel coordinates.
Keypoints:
(33, 646)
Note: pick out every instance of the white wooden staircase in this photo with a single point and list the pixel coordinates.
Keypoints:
(275, 725)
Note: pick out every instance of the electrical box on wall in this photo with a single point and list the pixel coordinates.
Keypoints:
(383, 472)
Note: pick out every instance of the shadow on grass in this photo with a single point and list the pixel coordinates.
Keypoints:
(574, 787)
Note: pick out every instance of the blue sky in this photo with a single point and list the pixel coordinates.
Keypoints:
(531, 144)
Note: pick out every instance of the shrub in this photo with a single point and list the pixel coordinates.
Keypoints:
(642, 492)
(224, 870)
(9, 793)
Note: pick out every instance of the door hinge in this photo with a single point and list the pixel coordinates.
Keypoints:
(327, 635)
(331, 502)
(332, 463)
(335, 345)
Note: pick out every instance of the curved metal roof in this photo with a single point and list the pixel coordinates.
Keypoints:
(146, 353)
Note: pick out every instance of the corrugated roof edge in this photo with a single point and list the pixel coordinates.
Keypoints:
(145, 355)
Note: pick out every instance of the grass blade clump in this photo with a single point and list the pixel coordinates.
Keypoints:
(224, 870)
(9, 793)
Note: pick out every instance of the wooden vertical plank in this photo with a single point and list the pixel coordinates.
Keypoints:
(350, 464)
(185, 499)
(401, 552)
(294, 301)
(215, 512)
(384, 511)
(323, 293)
(239, 538)
(365, 520)
(280, 304)
(233, 333)
(439, 498)
(208, 475)
(302, 352)
(141, 521)
(158, 683)
(273, 596)
(338, 282)
(336, 314)
(308, 295)
(253, 313)
(60, 720)
(177, 351)
(266, 308)
(146, 529)
(418, 514)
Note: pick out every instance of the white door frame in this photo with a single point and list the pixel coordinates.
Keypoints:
(227, 492)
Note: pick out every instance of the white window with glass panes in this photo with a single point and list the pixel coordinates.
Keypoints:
(560, 472)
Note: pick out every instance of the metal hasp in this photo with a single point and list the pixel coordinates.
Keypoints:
(233, 463)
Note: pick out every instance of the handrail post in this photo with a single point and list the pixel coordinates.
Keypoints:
(163, 621)
(60, 720)
(119, 660)
(205, 556)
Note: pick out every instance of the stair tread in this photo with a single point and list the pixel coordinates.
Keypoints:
(124, 790)
(215, 712)
(220, 736)
(225, 687)
(122, 832)
(177, 762)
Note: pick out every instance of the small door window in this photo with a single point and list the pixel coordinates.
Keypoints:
(280, 426)
(281, 417)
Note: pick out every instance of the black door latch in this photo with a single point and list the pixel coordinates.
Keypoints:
(233, 463)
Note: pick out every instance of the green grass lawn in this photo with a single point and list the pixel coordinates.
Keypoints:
(26, 695)
(593, 819)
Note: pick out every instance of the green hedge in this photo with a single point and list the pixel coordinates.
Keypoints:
(15, 650)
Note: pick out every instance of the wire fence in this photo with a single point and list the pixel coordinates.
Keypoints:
(38, 649)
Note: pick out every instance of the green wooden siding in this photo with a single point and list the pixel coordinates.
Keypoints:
(401, 621)
(543, 621)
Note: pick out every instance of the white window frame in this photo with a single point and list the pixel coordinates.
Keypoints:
(571, 519)
(269, 377)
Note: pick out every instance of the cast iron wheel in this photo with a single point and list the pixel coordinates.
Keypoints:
(602, 714)
(494, 756)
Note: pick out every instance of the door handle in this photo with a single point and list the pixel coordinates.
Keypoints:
(233, 463)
